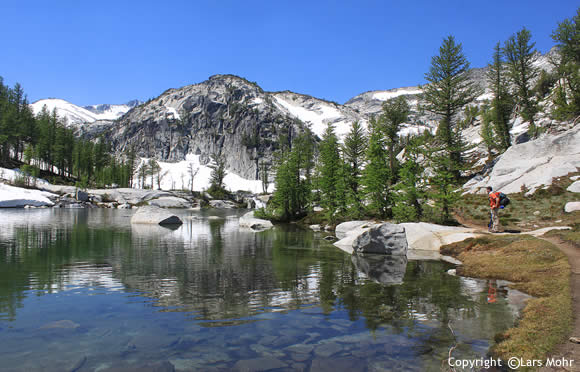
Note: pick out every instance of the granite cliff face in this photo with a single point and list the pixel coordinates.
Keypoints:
(224, 114)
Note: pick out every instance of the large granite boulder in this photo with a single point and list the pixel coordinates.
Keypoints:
(349, 227)
(381, 268)
(386, 238)
(248, 220)
(154, 215)
(430, 237)
(170, 202)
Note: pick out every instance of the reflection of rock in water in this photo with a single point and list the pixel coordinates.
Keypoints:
(380, 268)
(145, 231)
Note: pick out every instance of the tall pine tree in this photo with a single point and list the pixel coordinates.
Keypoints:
(520, 55)
(355, 143)
(501, 103)
(448, 91)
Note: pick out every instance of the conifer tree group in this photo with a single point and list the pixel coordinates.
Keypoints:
(376, 173)
(42, 145)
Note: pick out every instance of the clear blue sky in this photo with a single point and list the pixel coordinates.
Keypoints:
(114, 51)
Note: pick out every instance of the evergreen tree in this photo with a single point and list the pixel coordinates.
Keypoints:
(448, 91)
(567, 98)
(502, 104)
(376, 175)
(293, 178)
(395, 112)
(355, 143)
(153, 169)
(264, 170)
(487, 133)
(443, 186)
(331, 172)
(410, 189)
(520, 55)
(218, 171)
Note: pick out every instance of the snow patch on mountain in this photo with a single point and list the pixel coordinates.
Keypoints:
(393, 93)
(176, 176)
(73, 114)
(317, 115)
(77, 116)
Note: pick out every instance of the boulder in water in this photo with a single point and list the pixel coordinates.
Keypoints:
(386, 238)
(155, 215)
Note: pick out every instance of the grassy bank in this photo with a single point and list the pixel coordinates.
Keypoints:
(544, 208)
(537, 268)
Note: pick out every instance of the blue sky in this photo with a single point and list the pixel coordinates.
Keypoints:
(115, 51)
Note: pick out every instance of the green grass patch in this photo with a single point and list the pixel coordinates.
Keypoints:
(535, 267)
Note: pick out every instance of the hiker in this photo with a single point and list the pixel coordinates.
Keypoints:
(494, 208)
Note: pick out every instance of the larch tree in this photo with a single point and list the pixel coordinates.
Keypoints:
(353, 149)
(502, 103)
(520, 55)
(448, 91)
(567, 38)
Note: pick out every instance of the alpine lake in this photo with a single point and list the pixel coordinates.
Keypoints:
(84, 290)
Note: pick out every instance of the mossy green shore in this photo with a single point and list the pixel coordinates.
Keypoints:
(536, 267)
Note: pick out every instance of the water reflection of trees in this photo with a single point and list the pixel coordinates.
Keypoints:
(215, 271)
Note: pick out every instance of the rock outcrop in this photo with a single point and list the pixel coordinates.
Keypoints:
(16, 197)
(420, 236)
(531, 165)
(155, 215)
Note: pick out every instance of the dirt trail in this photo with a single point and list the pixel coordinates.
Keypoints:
(567, 350)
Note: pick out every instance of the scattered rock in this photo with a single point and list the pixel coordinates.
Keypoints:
(259, 364)
(327, 349)
(61, 324)
(78, 365)
(572, 207)
(575, 340)
(164, 366)
(329, 238)
(222, 204)
(386, 238)
(575, 187)
(248, 220)
(452, 272)
(155, 215)
(301, 348)
(124, 206)
(317, 209)
(537, 213)
(314, 227)
(82, 196)
(338, 364)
